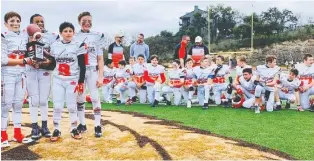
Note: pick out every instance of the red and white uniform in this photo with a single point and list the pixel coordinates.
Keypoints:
(189, 79)
(220, 84)
(107, 82)
(95, 43)
(239, 70)
(288, 87)
(306, 76)
(65, 78)
(138, 74)
(151, 75)
(248, 89)
(202, 75)
(13, 78)
(121, 80)
(175, 77)
(39, 82)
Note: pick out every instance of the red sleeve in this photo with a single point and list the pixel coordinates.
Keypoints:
(147, 78)
(163, 77)
(182, 51)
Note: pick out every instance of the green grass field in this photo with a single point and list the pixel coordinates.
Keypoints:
(287, 130)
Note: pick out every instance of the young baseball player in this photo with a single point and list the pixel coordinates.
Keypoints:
(189, 79)
(175, 83)
(121, 76)
(219, 82)
(241, 64)
(266, 78)
(287, 88)
(154, 75)
(306, 76)
(108, 80)
(68, 78)
(38, 83)
(138, 82)
(203, 80)
(13, 77)
(94, 61)
(131, 63)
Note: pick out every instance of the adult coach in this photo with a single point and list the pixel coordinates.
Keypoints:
(180, 50)
(198, 51)
(139, 47)
(115, 50)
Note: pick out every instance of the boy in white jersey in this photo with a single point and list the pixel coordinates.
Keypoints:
(39, 82)
(175, 83)
(68, 78)
(219, 82)
(13, 77)
(287, 88)
(108, 80)
(121, 78)
(241, 64)
(189, 79)
(154, 75)
(203, 77)
(306, 76)
(266, 78)
(138, 82)
(94, 61)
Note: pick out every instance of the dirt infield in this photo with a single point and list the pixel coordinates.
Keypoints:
(134, 136)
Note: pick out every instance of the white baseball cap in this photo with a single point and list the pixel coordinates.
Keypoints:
(198, 39)
(118, 35)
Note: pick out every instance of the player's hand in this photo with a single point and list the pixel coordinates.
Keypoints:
(28, 61)
(99, 82)
(79, 88)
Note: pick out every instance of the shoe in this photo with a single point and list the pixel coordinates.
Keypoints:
(155, 103)
(168, 103)
(35, 132)
(129, 102)
(226, 105)
(312, 108)
(4, 139)
(134, 98)
(81, 128)
(300, 109)
(278, 107)
(45, 132)
(164, 98)
(19, 137)
(75, 134)
(55, 135)
(98, 132)
(210, 101)
(205, 106)
(118, 102)
(110, 101)
(287, 105)
(256, 108)
(189, 104)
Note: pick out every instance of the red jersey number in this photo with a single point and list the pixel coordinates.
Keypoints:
(64, 69)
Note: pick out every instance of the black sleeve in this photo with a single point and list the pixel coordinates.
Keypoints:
(81, 63)
(110, 49)
(2, 35)
(176, 52)
(206, 50)
(190, 51)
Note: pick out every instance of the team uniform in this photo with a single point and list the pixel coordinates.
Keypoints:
(266, 75)
(189, 79)
(239, 70)
(121, 77)
(248, 90)
(288, 88)
(107, 84)
(38, 88)
(306, 76)
(13, 84)
(202, 75)
(151, 75)
(138, 77)
(65, 79)
(176, 76)
(95, 45)
(219, 83)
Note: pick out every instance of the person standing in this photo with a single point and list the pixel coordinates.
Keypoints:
(139, 47)
(198, 51)
(181, 50)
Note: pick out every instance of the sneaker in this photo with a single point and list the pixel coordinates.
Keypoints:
(168, 103)
(287, 105)
(155, 103)
(81, 128)
(299, 108)
(256, 108)
(45, 132)
(19, 137)
(226, 105)
(210, 101)
(164, 98)
(129, 102)
(98, 132)
(55, 135)
(312, 108)
(4, 139)
(75, 134)
(35, 133)
(205, 106)
(278, 107)
(134, 98)
(189, 104)
(118, 102)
